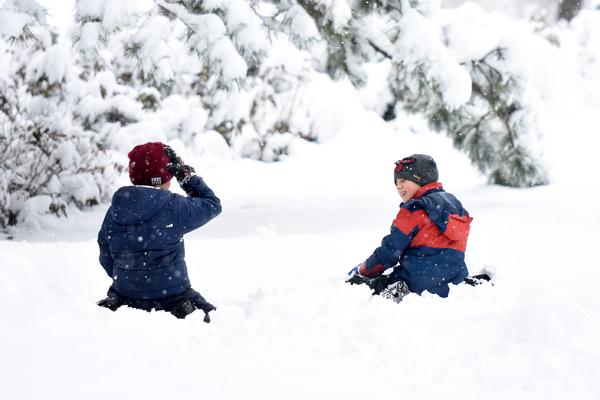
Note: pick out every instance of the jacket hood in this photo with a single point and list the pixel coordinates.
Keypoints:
(441, 207)
(136, 204)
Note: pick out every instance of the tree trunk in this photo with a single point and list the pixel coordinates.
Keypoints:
(568, 9)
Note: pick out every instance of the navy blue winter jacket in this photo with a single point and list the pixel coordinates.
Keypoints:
(427, 242)
(141, 239)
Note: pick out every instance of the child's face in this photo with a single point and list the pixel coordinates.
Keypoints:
(406, 188)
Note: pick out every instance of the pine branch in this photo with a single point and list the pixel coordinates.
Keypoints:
(380, 50)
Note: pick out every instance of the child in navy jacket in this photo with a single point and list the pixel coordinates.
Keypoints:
(141, 239)
(427, 241)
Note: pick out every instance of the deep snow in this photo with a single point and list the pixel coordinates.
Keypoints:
(287, 326)
(274, 263)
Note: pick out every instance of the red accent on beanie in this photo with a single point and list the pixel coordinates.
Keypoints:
(148, 164)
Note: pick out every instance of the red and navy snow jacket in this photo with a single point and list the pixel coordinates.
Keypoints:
(141, 239)
(427, 242)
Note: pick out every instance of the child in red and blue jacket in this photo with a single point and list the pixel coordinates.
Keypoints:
(428, 238)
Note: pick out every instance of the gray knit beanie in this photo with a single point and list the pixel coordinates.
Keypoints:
(419, 168)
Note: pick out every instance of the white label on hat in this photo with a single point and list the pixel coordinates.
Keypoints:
(156, 180)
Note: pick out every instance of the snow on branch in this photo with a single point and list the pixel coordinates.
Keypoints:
(208, 38)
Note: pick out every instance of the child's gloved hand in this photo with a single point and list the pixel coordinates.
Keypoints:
(181, 171)
(177, 167)
(173, 157)
(354, 276)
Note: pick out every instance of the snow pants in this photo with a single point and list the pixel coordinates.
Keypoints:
(180, 305)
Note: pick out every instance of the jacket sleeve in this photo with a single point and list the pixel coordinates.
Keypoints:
(404, 228)
(106, 259)
(199, 207)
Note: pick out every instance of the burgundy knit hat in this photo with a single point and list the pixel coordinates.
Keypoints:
(148, 164)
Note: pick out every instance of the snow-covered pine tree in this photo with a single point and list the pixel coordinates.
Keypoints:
(426, 79)
(193, 48)
(95, 22)
(229, 39)
(19, 17)
(345, 26)
(497, 127)
(48, 162)
(103, 99)
(227, 36)
(261, 120)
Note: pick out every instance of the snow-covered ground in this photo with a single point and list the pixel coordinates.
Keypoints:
(274, 264)
(287, 326)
